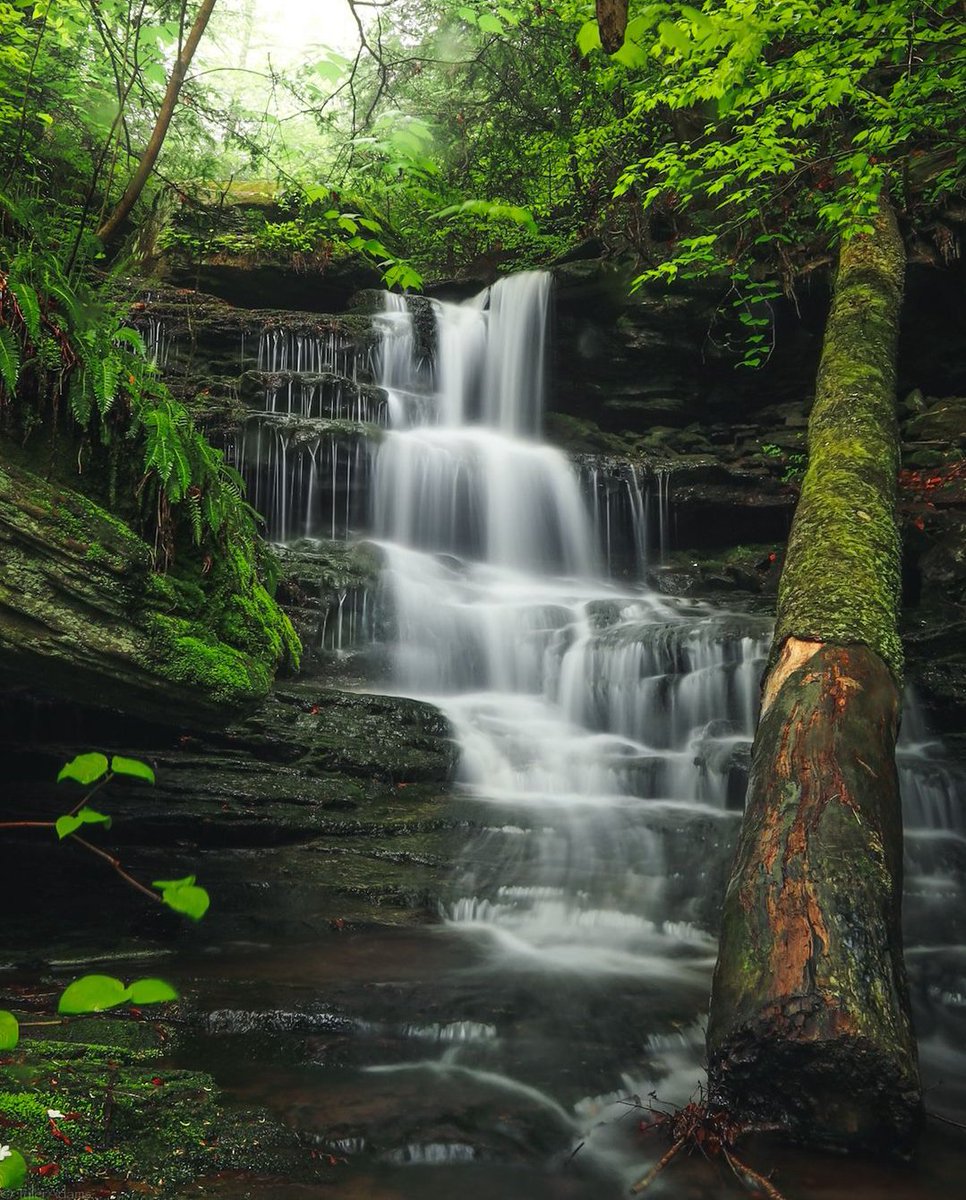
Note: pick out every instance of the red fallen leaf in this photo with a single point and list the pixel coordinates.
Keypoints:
(73, 1116)
(59, 1134)
(136, 1013)
(314, 710)
(919, 523)
(157, 1081)
(772, 556)
(48, 1170)
(88, 1149)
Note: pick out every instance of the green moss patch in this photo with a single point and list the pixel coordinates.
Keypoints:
(109, 1114)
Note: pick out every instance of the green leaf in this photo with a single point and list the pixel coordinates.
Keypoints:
(71, 822)
(631, 54)
(84, 769)
(9, 1030)
(467, 14)
(13, 1170)
(29, 308)
(183, 896)
(9, 359)
(490, 24)
(588, 37)
(151, 991)
(675, 38)
(133, 767)
(92, 993)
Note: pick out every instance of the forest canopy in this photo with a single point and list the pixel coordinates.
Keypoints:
(741, 139)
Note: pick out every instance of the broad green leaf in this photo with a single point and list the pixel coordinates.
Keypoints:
(630, 55)
(92, 993)
(467, 14)
(84, 769)
(331, 72)
(151, 991)
(13, 1169)
(675, 38)
(588, 37)
(9, 1030)
(71, 822)
(490, 24)
(9, 359)
(133, 767)
(183, 896)
(190, 900)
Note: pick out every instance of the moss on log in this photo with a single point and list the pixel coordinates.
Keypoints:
(810, 1027)
(842, 570)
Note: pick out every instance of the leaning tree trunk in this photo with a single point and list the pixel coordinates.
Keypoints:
(132, 192)
(810, 1026)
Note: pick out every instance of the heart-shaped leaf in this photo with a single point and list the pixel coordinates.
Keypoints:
(84, 769)
(92, 993)
(151, 991)
(133, 767)
(9, 1030)
(71, 822)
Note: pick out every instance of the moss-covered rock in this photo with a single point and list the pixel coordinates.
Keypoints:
(100, 1112)
(83, 613)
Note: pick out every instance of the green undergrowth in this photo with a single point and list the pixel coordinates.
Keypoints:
(101, 1112)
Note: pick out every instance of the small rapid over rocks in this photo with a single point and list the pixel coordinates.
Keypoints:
(604, 731)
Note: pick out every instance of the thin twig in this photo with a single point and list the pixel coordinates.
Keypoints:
(116, 864)
(643, 1184)
(745, 1174)
(945, 1120)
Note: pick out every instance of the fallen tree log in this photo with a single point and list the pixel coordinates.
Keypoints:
(810, 1027)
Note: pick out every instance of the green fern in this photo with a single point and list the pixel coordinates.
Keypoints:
(29, 304)
(80, 398)
(9, 359)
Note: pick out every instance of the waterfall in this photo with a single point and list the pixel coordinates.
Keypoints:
(600, 728)
(604, 729)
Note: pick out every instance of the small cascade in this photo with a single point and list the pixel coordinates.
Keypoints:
(604, 729)
(307, 353)
(305, 452)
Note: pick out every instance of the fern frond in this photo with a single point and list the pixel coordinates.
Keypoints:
(9, 359)
(79, 397)
(29, 303)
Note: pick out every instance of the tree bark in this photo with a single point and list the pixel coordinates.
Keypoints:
(810, 1026)
(612, 22)
(113, 223)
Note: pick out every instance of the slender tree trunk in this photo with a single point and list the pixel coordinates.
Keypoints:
(612, 22)
(109, 229)
(810, 1024)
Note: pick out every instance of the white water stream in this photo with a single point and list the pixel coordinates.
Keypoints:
(603, 728)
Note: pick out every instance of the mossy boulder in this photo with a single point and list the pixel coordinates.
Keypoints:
(84, 614)
(125, 1122)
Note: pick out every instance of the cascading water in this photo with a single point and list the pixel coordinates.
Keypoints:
(603, 731)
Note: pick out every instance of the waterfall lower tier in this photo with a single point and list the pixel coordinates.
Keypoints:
(604, 732)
